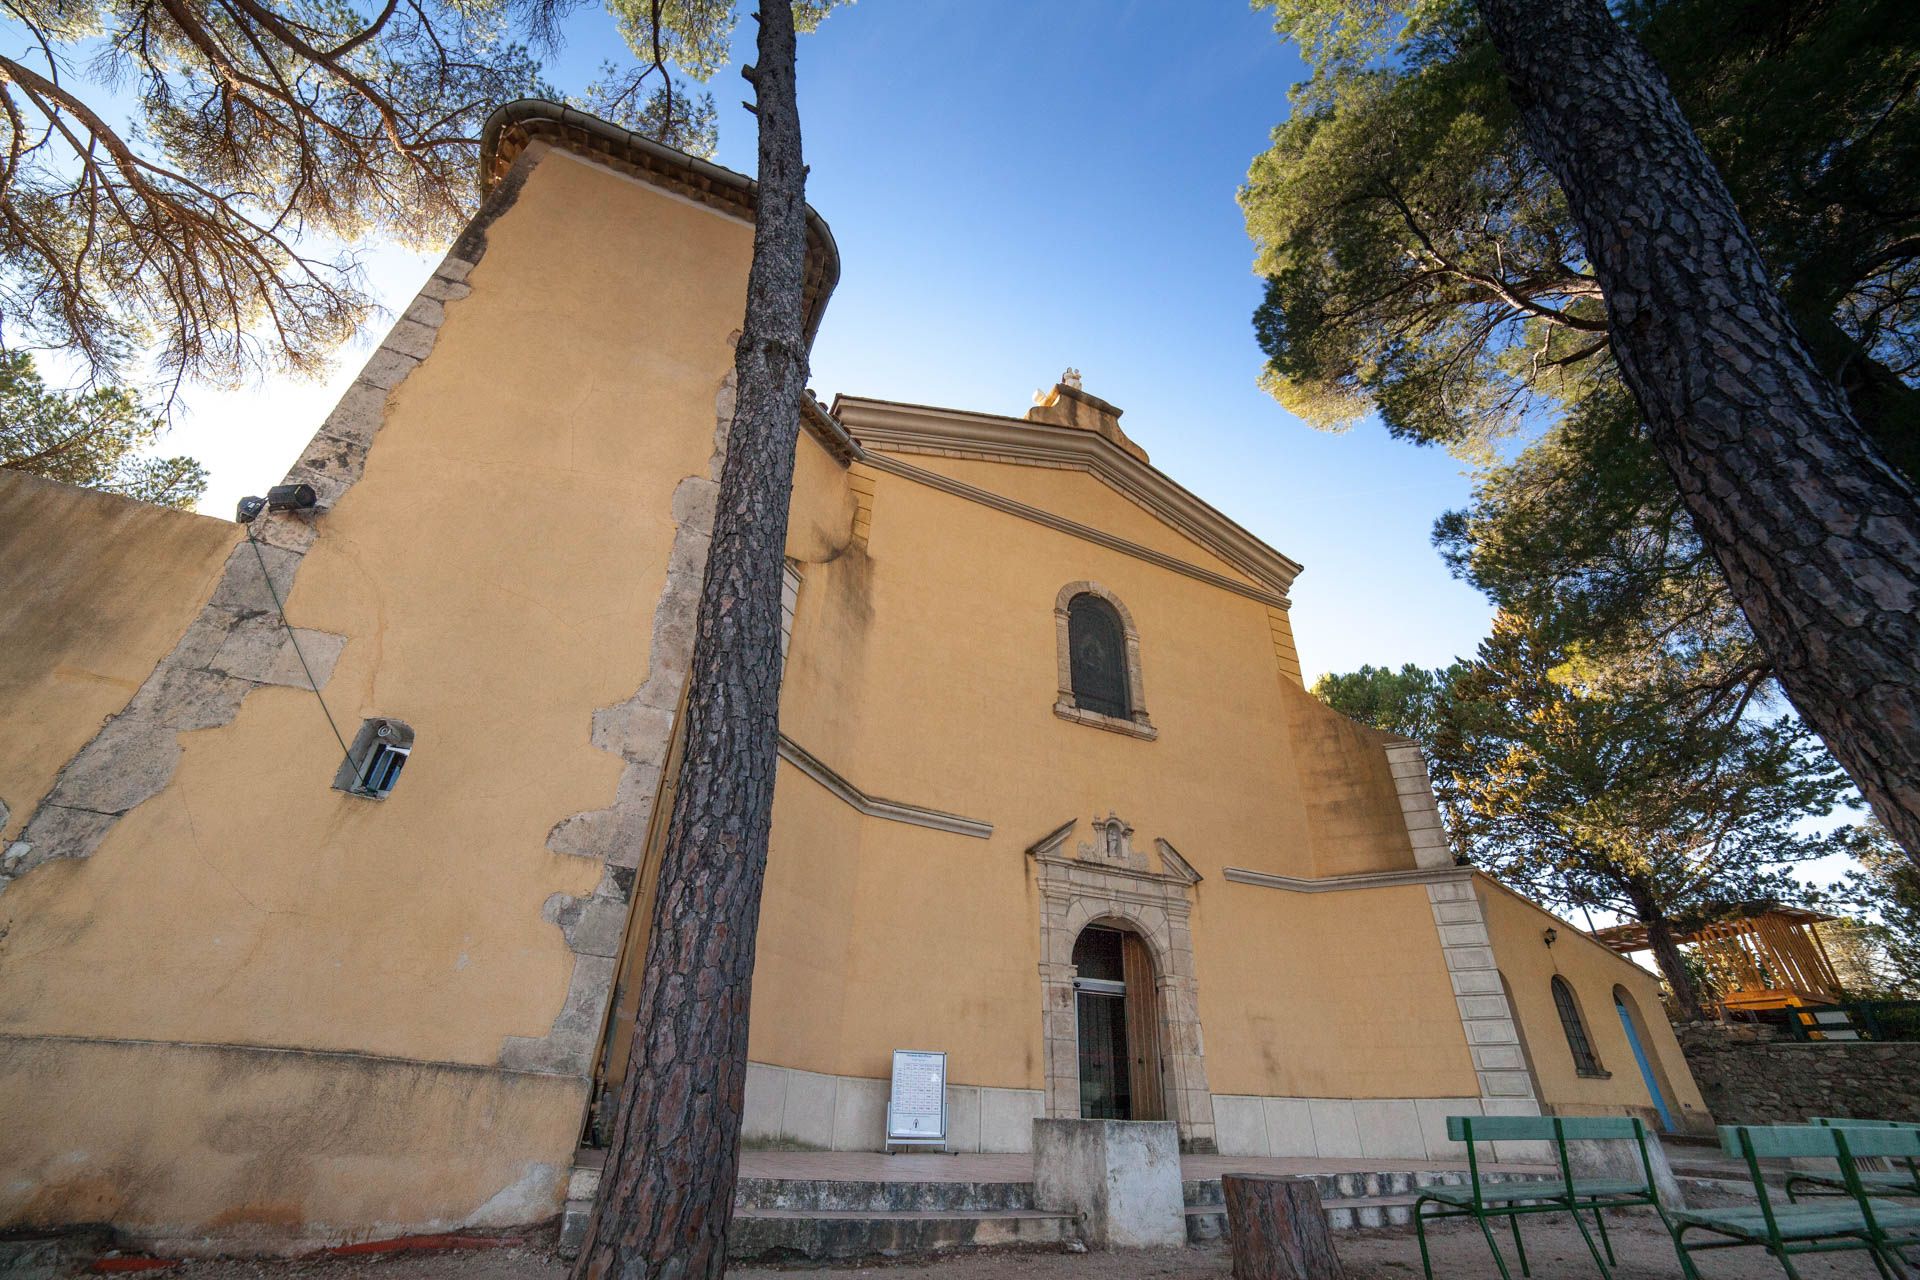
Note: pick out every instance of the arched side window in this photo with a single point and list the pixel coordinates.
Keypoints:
(1099, 661)
(1585, 1061)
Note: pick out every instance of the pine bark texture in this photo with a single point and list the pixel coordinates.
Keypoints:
(1673, 967)
(1819, 537)
(1278, 1229)
(666, 1197)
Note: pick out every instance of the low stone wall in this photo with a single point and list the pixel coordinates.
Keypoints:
(1751, 1075)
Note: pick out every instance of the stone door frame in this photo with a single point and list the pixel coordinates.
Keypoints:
(1107, 883)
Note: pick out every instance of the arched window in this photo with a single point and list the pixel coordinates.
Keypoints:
(1098, 645)
(1584, 1060)
(1099, 662)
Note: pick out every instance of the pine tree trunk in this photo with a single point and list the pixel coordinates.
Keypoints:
(1278, 1229)
(1673, 967)
(666, 1197)
(1818, 536)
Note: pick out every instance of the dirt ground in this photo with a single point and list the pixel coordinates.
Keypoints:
(1555, 1250)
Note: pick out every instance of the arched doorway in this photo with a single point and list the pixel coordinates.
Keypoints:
(1650, 1073)
(1117, 1016)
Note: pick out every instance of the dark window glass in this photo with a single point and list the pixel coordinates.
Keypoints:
(1097, 649)
(1105, 1090)
(1096, 954)
(1584, 1060)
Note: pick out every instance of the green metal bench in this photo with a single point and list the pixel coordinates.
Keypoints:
(1889, 1184)
(1484, 1201)
(1879, 1226)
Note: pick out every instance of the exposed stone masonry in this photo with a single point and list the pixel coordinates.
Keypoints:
(1748, 1075)
(1493, 1037)
(640, 731)
(237, 642)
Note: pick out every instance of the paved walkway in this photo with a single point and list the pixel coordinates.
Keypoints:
(870, 1166)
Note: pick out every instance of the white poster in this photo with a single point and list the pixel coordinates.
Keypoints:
(917, 1106)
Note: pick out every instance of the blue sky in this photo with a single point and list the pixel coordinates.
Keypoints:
(1019, 187)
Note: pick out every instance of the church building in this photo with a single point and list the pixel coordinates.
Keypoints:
(327, 841)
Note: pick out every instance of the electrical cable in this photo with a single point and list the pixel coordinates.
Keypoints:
(345, 754)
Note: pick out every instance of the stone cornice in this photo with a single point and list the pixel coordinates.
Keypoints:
(893, 427)
(1334, 884)
(1072, 528)
(873, 806)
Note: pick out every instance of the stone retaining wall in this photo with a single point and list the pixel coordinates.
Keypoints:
(1749, 1075)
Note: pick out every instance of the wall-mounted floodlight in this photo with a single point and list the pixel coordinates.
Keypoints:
(282, 497)
(291, 497)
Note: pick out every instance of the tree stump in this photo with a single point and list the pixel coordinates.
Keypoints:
(1278, 1229)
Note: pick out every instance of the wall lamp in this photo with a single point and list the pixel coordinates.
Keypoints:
(1549, 936)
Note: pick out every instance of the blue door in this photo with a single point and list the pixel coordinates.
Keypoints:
(1646, 1067)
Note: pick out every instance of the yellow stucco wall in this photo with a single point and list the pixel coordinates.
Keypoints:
(1327, 995)
(1528, 965)
(923, 669)
(210, 1149)
(495, 572)
(93, 589)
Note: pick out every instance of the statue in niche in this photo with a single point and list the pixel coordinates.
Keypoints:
(1112, 843)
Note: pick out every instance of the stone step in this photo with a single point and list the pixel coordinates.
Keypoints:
(817, 1195)
(1351, 1186)
(818, 1219)
(1352, 1200)
(827, 1235)
(1208, 1223)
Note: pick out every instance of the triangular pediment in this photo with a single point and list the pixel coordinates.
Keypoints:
(899, 432)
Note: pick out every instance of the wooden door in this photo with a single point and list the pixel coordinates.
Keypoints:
(1143, 1030)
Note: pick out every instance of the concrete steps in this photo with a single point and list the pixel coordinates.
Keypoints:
(1352, 1200)
(828, 1235)
(822, 1220)
(833, 1220)
(833, 1196)
(817, 1220)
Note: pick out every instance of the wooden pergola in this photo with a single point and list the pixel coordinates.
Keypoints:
(1766, 956)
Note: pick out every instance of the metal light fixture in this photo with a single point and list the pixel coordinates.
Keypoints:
(1549, 936)
(291, 497)
(282, 497)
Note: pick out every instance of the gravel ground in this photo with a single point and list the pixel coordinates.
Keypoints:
(1554, 1249)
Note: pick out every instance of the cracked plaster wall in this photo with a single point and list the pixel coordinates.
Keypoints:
(639, 730)
(516, 555)
(238, 642)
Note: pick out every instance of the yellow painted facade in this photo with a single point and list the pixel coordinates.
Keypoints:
(239, 1005)
(1593, 973)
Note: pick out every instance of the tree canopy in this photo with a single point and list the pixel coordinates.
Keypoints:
(1593, 787)
(1422, 263)
(180, 200)
(1885, 891)
(95, 438)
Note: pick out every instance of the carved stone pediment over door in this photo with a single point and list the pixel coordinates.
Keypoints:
(1105, 882)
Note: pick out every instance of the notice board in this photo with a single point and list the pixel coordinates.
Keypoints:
(917, 1103)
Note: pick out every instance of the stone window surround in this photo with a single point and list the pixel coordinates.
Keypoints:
(1137, 725)
(1077, 892)
(1578, 1022)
